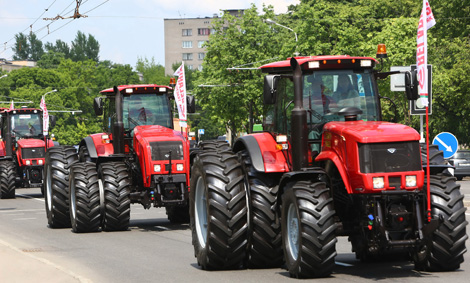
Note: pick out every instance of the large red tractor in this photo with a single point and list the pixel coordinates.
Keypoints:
(324, 166)
(138, 158)
(22, 149)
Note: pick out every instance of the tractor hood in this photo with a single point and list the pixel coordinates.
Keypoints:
(29, 143)
(372, 132)
(156, 133)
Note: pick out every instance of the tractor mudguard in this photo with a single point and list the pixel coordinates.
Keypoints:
(329, 155)
(311, 174)
(263, 152)
(90, 145)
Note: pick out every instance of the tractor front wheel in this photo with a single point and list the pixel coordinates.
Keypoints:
(308, 230)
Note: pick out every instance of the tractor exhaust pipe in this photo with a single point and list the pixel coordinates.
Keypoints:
(299, 122)
(118, 127)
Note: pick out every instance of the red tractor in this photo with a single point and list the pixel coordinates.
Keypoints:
(138, 158)
(324, 166)
(22, 149)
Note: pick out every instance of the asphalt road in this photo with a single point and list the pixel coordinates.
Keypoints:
(154, 251)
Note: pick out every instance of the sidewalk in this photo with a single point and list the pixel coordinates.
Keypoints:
(17, 266)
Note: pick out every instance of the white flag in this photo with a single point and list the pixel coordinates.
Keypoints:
(180, 95)
(426, 21)
(12, 105)
(45, 116)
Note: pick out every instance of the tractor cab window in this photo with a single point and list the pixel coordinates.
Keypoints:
(146, 109)
(278, 116)
(26, 125)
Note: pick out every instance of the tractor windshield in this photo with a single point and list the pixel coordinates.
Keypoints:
(324, 93)
(26, 125)
(146, 109)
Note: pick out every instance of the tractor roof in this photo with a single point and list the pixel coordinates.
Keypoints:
(23, 110)
(144, 88)
(320, 62)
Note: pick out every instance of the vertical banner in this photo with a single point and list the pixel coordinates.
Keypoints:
(45, 116)
(12, 105)
(180, 95)
(426, 21)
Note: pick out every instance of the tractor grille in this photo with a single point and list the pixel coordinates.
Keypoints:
(161, 150)
(33, 152)
(389, 157)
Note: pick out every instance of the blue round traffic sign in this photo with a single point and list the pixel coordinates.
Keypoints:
(446, 142)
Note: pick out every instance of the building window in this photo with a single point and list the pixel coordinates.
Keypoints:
(200, 43)
(213, 31)
(199, 67)
(201, 55)
(190, 67)
(187, 32)
(203, 31)
(187, 56)
(187, 44)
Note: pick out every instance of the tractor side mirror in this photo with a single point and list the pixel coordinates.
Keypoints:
(270, 89)
(191, 106)
(411, 85)
(98, 106)
(52, 121)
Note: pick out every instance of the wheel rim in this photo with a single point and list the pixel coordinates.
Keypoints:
(293, 232)
(201, 212)
(73, 200)
(48, 188)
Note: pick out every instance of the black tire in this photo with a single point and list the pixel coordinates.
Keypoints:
(178, 214)
(59, 159)
(264, 235)
(459, 178)
(214, 145)
(117, 203)
(218, 210)
(308, 230)
(85, 214)
(7, 179)
(83, 154)
(448, 241)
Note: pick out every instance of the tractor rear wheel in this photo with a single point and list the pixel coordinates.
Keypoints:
(218, 210)
(308, 230)
(448, 241)
(117, 203)
(7, 179)
(56, 172)
(84, 198)
(264, 236)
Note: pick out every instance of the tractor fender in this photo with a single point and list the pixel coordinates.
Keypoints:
(90, 145)
(329, 155)
(310, 174)
(265, 157)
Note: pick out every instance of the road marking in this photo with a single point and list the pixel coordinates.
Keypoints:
(25, 196)
(163, 228)
(18, 211)
(343, 264)
(21, 219)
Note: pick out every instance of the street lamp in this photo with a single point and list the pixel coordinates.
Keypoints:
(54, 90)
(3, 76)
(269, 21)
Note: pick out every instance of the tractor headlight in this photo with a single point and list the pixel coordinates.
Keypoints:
(40, 162)
(179, 167)
(28, 162)
(410, 181)
(378, 182)
(157, 167)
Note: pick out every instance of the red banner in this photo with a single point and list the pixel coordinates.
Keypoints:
(45, 116)
(180, 95)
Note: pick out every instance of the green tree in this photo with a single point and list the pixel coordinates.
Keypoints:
(58, 47)
(238, 41)
(84, 48)
(152, 73)
(27, 47)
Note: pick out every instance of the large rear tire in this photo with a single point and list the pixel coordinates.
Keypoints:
(85, 208)
(264, 236)
(218, 210)
(308, 230)
(117, 204)
(7, 179)
(57, 170)
(448, 241)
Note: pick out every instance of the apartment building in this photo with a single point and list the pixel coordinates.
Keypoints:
(184, 40)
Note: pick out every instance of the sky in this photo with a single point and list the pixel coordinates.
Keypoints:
(126, 30)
